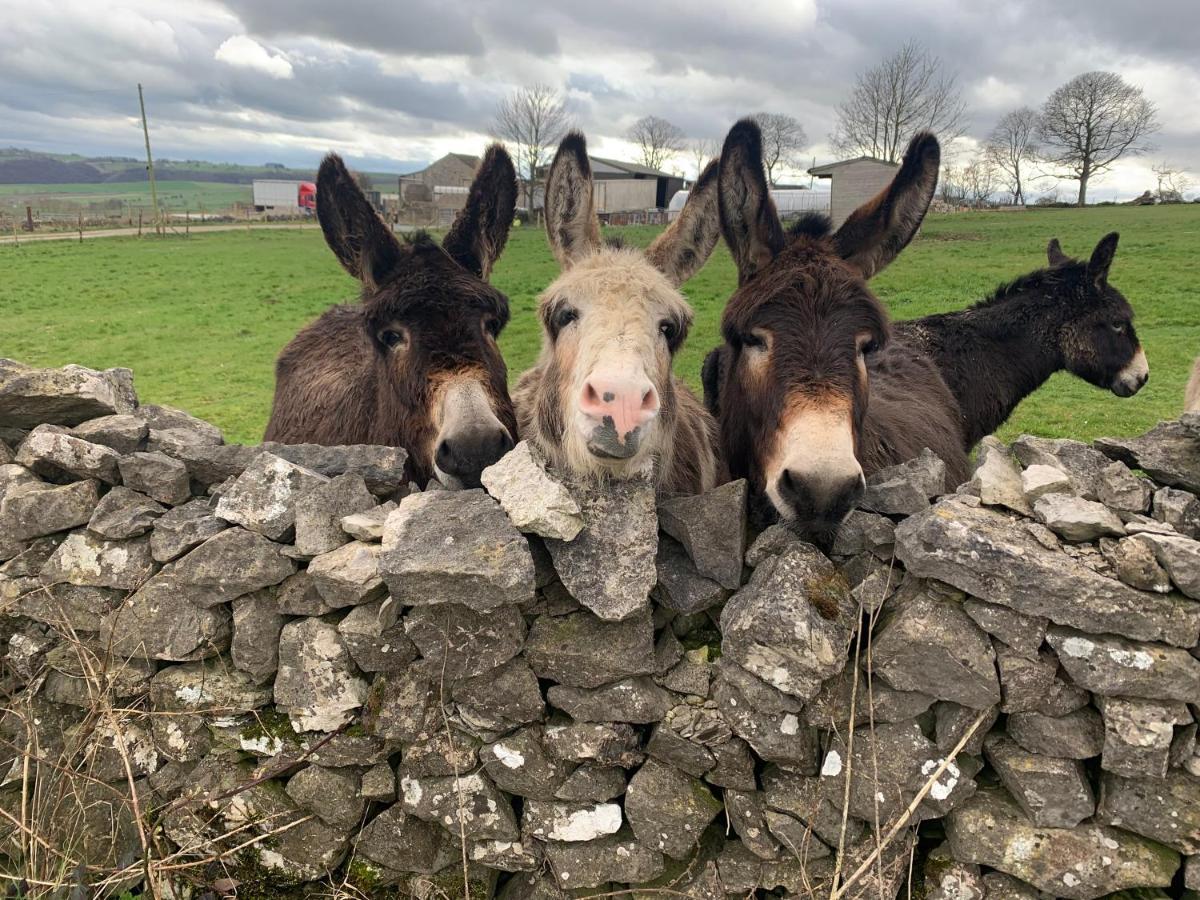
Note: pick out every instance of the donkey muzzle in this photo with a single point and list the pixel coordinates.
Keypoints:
(1131, 378)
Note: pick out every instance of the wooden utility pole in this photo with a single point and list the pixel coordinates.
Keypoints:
(150, 164)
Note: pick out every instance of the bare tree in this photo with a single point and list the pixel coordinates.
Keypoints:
(532, 120)
(704, 149)
(658, 139)
(783, 138)
(1092, 121)
(904, 94)
(1172, 182)
(1012, 146)
(979, 178)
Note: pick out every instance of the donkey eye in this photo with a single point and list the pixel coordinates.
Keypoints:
(492, 326)
(393, 337)
(564, 317)
(669, 330)
(752, 341)
(867, 344)
(1118, 327)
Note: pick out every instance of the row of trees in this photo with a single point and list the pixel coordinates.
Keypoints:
(532, 120)
(1082, 129)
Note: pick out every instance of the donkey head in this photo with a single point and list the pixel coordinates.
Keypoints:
(1097, 339)
(613, 320)
(789, 385)
(432, 319)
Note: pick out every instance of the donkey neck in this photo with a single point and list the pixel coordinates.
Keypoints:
(997, 352)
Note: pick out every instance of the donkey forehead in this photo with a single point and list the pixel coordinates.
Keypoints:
(436, 291)
(621, 280)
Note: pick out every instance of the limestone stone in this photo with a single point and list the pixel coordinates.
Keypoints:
(1138, 734)
(1164, 809)
(1024, 634)
(382, 468)
(1134, 562)
(1120, 490)
(158, 622)
(462, 643)
(680, 585)
(348, 575)
(402, 842)
(534, 500)
(183, 528)
(1077, 735)
(1080, 863)
(122, 432)
(619, 858)
(51, 452)
(668, 809)
(368, 525)
(1081, 463)
(470, 805)
(317, 684)
(1169, 453)
(331, 794)
(1115, 667)
(1023, 681)
(124, 513)
(608, 743)
(581, 650)
(952, 722)
(211, 686)
(571, 822)
(609, 567)
(70, 606)
(668, 745)
(320, 510)
(593, 783)
(374, 646)
(636, 700)
(32, 509)
(378, 784)
(263, 498)
(519, 764)
(257, 624)
(87, 560)
(229, 565)
(1039, 480)
(1077, 519)
(712, 528)
(865, 532)
(1054, 793)
(1179, 509)
(66, 396)
(930, 645)
(992, 557)
(997, 480)
(791, 624)
(156, 475)
(455, 547)
(1180, 556)
(774, 736)
(498, 701)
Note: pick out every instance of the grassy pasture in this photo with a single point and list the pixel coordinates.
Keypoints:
(201, 320)
(175, 196)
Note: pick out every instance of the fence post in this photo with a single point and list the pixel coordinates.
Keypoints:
(81, 226)
(187, 222)
(139, 223)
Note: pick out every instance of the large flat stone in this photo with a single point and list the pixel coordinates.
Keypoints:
(1054, 793)
(1169, 453)
(455, 547)
(1115, 667)
(231, 564)
(53, 453)
(1080, 863)
(712, 528)
(66, 396)
(584, 651)
(995, 558)
(264, 497)
(534, 500)
(32, 509)
(1164, 809)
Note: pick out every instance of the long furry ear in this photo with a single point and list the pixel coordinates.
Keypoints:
(877, 231)
(1054, 253)
(748, 218)
(480, 230)
(1102, 257)
(362, 242)
(681, 250)
(571, 222)
(712, 373)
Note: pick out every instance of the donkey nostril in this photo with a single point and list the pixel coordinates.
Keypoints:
(502, 443)
(650, 400)
(443, 455)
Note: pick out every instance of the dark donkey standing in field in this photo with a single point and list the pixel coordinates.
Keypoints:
(996, 353)
(415, 363)
(809, 393)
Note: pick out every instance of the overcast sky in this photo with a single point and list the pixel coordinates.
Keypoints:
(395, 83)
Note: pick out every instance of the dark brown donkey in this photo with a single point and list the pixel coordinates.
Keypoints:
(809, 394)
(1002, 349)
(414, 364)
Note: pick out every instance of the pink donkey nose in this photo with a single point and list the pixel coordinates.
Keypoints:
(630, 404)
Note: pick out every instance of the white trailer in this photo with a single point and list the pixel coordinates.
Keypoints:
(279, 196)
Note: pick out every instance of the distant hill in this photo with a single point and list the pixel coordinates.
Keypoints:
(19, 166)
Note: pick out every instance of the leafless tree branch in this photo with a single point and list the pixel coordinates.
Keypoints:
(658, 139)
(783, 139)
(531, 120)
(1012, 146)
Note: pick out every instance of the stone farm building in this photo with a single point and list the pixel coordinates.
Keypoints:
(853, 182)
(434, 195)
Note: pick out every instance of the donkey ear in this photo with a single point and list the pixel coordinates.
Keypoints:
(711, 375)
(748, 218)
(878, 230)
(1102, 257)
(480, 230)
(363, 244)
(571, 221)
(1054, 253)
(681, 250)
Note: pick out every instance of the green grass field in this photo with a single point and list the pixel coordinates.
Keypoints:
(172, 195)
(201, 320)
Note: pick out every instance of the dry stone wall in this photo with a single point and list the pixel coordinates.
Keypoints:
(280, 670)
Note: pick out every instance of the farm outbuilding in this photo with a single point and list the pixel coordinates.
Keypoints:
(436, 193)
(853, 182)
(624, 186)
